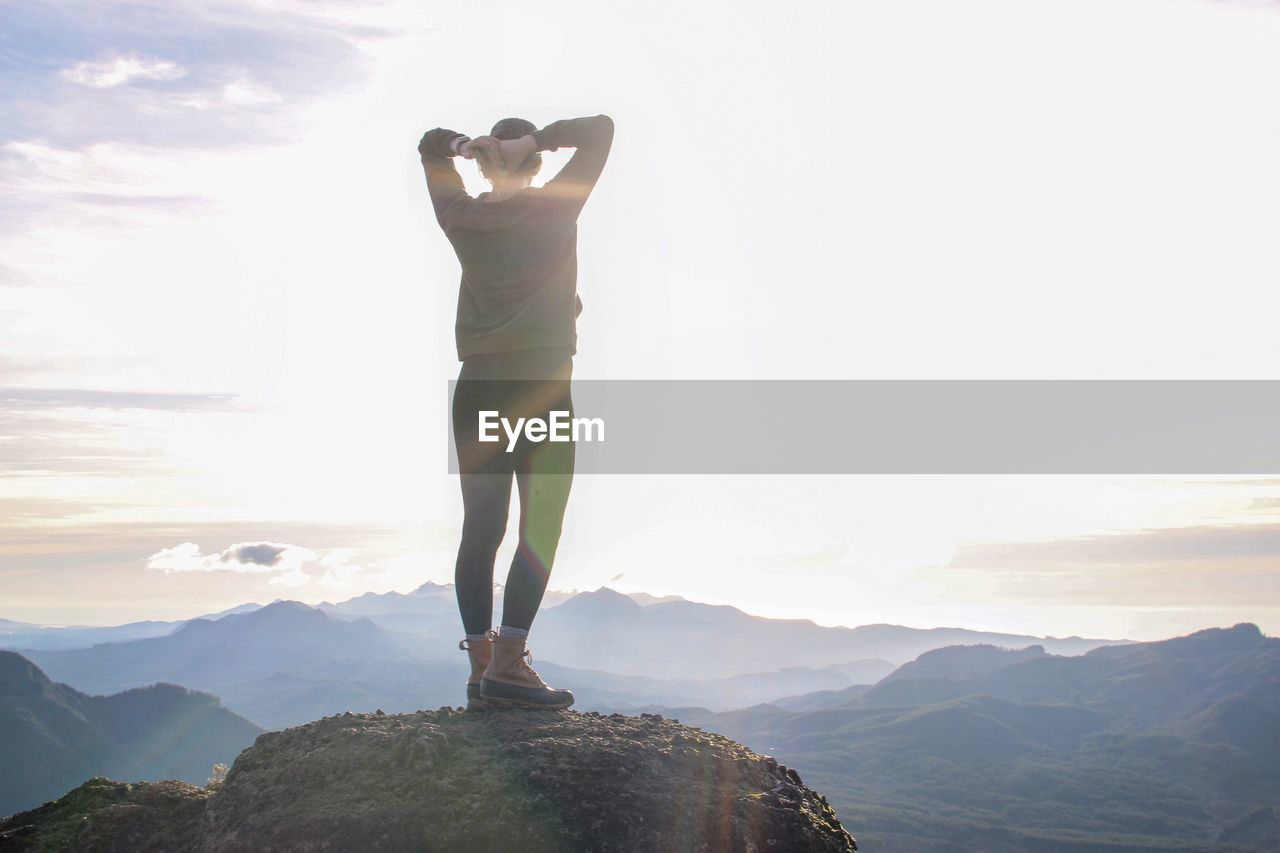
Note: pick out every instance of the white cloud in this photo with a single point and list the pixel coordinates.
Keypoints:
(341, 573)
(122, 70)
(196, 102)
(400, 573)
(246, 557)
(246, 93)
(294, 577)
(40, 173)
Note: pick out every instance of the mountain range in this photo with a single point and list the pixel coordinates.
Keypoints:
(1168, 745)
(926, 740)
(25, 635)
(53, 737)
(288, 663)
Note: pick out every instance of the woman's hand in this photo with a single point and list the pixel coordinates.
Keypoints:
(486, 149)
(514, 151)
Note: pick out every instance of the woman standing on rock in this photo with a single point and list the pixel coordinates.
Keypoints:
(516, 336)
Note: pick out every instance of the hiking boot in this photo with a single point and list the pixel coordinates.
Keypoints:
(480, 652)
(509, 681)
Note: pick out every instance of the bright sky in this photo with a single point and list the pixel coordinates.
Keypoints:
(228, 310)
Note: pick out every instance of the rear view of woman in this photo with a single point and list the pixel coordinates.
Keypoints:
(516, 334)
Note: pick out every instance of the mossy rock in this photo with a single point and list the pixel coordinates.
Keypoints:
(534, 781)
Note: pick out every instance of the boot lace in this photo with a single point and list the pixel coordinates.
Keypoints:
(526, 659)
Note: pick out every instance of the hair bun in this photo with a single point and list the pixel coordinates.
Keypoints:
(515, 128)
(512, 128)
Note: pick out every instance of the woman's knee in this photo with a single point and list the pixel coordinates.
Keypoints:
(484, 534)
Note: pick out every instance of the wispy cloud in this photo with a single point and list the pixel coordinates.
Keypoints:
(43, 445)
(122, 70)
(87, 547)
(167, 74)
(45, 509)
(344, 574)
(30, 399)
(78, 432)
(1199, 566)
(1198, 543)
(250, 94)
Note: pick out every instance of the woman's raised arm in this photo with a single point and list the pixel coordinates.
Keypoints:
(437, 149)
(593, 137)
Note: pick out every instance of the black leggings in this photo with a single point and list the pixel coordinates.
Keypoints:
(531, 383)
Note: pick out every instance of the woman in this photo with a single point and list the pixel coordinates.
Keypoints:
(516, 336)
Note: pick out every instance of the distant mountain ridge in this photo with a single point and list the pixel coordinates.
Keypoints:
(214, 654)
(395, 610)
(23, 636)
(607, 630)
(1169, 745)
(430, 610)
(288, 662)
(53, 737)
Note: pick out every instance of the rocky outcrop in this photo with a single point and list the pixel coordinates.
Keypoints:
(533, 781)
(110, 817)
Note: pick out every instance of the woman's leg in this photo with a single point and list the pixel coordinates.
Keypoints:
(485, 501)
(485, 474)
(544, 477)
(544, 472)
